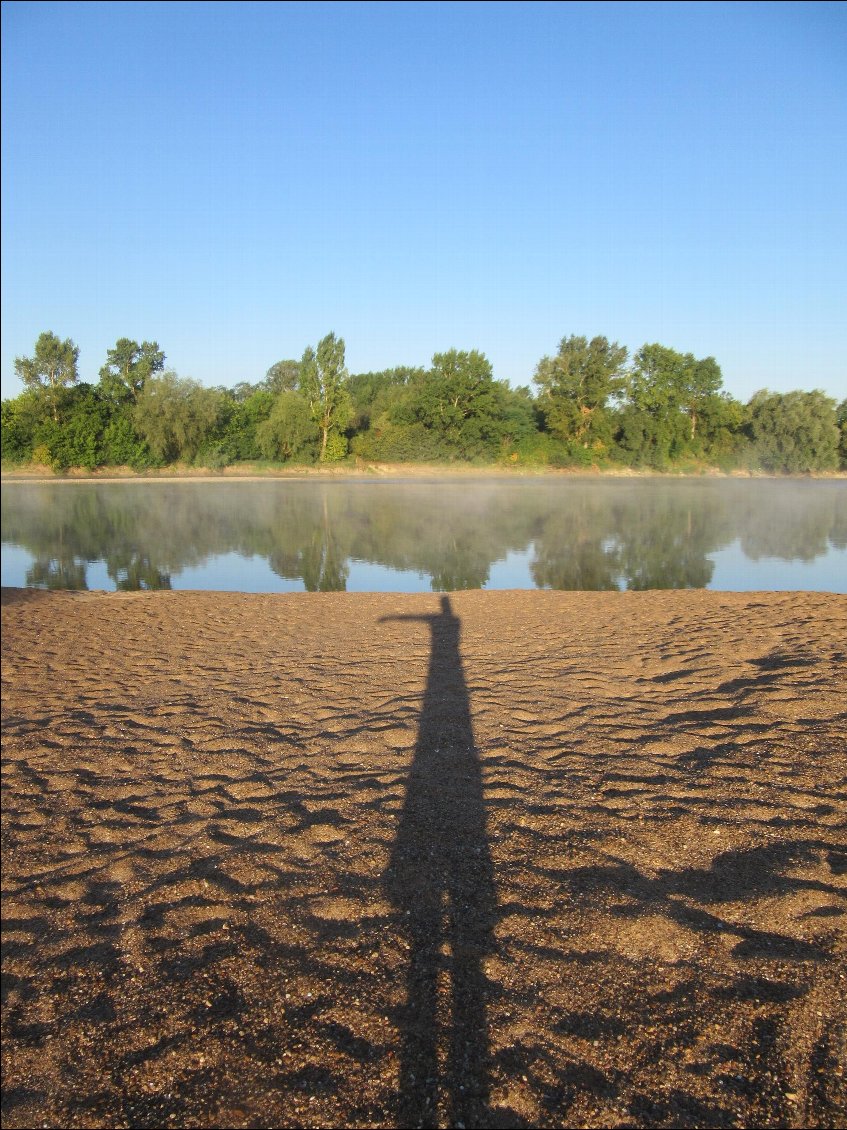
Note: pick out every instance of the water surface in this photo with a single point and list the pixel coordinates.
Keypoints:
(443, 535)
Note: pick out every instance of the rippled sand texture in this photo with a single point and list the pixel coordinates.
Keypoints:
(501, 859)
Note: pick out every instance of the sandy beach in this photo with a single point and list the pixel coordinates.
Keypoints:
(493, 859)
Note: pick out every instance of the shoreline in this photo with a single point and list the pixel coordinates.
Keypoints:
(270, 859)
(396, 472)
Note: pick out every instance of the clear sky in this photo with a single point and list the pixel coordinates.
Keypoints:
(236, 180)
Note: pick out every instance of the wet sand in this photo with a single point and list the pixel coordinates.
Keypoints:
(497, 859)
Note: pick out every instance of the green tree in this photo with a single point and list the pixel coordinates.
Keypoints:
(52, 368)
(122, 445)
(719, 427)
(290, 431)
(458, 402)
(794, 431)
(174, 415)
(283, 376)
(20, 418)
(243, 390)
(649, 438)
(518, 423)
(576, 385)
(79, 440)
(841, 420)
(374, 394)
(241, 419)
(701, 381)
(323, 381)
(668, 393)
(664, 381)
(129, 366)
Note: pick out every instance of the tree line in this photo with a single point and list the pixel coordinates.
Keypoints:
(593, 405)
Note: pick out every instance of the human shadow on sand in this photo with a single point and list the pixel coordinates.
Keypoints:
(441, 878)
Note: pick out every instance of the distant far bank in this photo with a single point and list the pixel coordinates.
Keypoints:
(363, 469)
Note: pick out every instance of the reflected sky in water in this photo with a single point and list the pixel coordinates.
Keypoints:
(366, 536)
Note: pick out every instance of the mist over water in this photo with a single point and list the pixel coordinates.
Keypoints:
(443, 535)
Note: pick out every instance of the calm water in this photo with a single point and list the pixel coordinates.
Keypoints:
(421, 536)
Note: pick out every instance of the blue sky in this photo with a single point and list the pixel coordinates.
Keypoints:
(235, 181)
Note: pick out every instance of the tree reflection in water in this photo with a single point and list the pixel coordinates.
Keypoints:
(57, 573)
(582, 535)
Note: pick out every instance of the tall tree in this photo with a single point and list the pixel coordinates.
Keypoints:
(577, 384)
(52, 368)
(323, 381)
(128, 366)
(658, 378)
(665, 381)
(669, 394)
(702, 380)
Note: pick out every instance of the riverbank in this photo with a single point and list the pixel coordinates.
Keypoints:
(374, 470)
(516, 859)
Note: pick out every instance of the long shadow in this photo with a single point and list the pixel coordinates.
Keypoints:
(441, 878)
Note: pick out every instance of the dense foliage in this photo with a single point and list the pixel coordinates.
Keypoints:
(594, 406)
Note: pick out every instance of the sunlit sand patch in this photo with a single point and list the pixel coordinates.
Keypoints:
(336, 909)
(650, 937)
(325, 834)
(205, 893)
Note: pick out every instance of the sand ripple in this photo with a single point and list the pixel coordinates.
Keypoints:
(205, 798)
